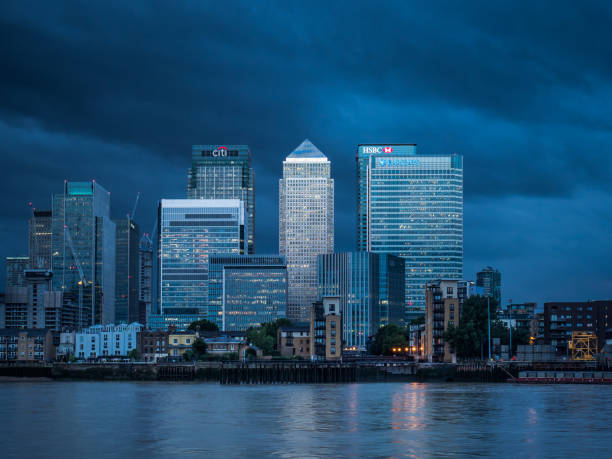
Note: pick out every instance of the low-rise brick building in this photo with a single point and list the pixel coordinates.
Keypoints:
(26, 345)
(294, 340)
(152, 345)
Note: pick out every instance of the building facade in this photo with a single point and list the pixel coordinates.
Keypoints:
(152, 345)
(180, 342)
(127, 272)
(490, 280)
(190, 230)
(178, 319)
(102, 341)
(39, 239)
(224, 172)
(563, 318)
(411, 205)
(246, 291)
(443, 310)
(326, 329)
(294, 340)
(36, 305)
(15, 267)
(306, 223)
(145, 268)
(83, 234)
(27, 345)
(358, 279)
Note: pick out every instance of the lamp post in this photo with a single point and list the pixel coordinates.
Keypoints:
(489, 322)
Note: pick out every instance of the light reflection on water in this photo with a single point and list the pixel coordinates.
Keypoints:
(95, 419)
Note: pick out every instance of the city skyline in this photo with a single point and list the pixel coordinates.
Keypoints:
(537, 194)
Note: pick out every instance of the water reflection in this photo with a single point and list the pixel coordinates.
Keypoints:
(74, 419)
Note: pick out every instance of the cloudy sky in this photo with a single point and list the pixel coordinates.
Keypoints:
(119, 91)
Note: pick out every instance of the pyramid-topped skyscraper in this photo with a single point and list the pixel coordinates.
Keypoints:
(306, 223)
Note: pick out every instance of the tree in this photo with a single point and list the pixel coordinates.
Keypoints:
(199, 347)
(250, 353)
(204, 325)
(387, 338)
(470, 337)
(264, 337)
(418, 321)
(133, 354)
(260, 338)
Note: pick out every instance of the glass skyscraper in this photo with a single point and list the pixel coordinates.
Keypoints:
(224, 172)
(370, 288)
(127, 271)
(306, 223)
(15, 267)
(490, 281)
(82, 214)
(246, 291)
(411, 205)
(190, 230)
(145, 290)
(39, 241)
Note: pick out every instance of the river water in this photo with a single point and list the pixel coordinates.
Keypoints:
(138, 419)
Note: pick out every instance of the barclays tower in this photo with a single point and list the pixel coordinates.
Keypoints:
(411, 205)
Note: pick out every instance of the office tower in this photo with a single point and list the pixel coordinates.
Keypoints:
(391, 291)
(39, 241)
(145, 292)
(127, 271)
(490, 280)
(83, 240)
(15, 267)
(224, 172)
(246, 291)
(411, 205)
(306, 223)
(370, 291)
(469, 288)
(35, 304)
(190, 230)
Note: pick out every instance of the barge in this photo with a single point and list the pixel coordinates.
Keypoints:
(565, 377)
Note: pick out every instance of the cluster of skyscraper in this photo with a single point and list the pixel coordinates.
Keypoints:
(409, 232)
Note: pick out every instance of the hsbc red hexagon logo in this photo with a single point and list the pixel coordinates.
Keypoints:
(388, 149)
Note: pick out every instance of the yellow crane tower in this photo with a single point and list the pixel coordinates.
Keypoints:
(583, 345)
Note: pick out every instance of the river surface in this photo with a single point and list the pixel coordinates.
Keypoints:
(139, 419)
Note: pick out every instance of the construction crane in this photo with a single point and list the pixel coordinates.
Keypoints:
(583, 345)
(82, 281)
(131, 216)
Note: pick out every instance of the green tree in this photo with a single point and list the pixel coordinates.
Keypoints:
(387, 338)
(264, 337)
(133, 354)
(204, 325)
(470, 337)
(260, 338)
(199, 347)
(418, 321)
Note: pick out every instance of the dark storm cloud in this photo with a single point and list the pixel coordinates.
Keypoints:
(120, 91)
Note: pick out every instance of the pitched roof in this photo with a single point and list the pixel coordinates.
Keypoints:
(306, 150)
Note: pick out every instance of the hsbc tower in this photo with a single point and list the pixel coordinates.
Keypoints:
(411, 205)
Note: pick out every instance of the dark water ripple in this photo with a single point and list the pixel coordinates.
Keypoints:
(115, 419)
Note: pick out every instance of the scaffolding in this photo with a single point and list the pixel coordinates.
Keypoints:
(583, 345)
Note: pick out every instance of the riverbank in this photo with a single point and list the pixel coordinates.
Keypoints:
(285, 372)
